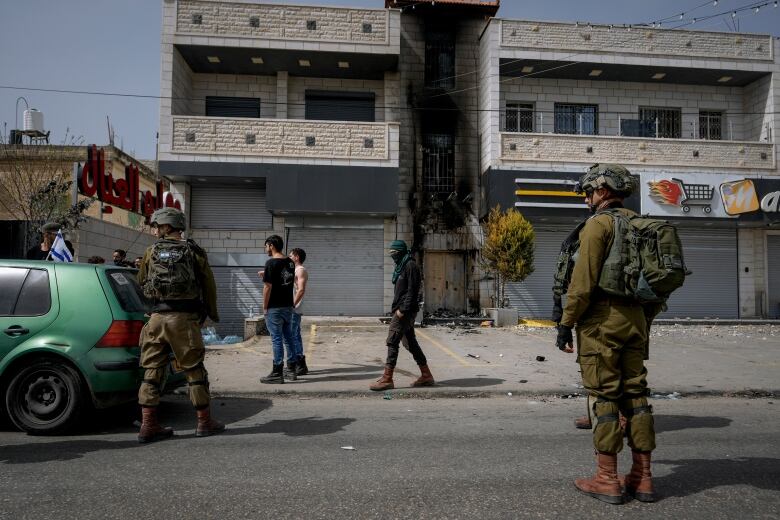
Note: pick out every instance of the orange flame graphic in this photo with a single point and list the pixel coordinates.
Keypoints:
(666, 192)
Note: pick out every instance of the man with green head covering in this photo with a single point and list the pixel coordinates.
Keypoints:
(406, 279)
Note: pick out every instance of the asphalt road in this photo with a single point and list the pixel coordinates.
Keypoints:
(501, 457)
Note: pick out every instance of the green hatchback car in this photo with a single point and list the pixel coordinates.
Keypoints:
(68, 341)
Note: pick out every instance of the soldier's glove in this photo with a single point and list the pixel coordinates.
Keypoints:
(565, 337)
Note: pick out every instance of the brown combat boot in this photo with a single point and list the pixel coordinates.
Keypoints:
(385, 382)
(604, 485)
(639, 482)
(425, 379)
(150, 429)
(583, 423)
(206, 425)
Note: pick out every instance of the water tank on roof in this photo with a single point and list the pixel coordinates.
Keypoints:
(33, 120)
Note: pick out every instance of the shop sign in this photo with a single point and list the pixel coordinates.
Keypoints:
(700, 195)
(93, 181)
(739, 197)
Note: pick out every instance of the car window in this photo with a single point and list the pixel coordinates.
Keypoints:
(11, 281)
(128, 291)
(35, 296)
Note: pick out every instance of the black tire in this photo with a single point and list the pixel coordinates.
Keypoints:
(46, 397)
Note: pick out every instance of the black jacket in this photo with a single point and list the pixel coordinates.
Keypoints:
(407, 289)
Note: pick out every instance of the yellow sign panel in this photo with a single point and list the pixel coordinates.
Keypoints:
(739, 197)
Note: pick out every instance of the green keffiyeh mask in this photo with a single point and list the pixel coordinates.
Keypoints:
(401, 258)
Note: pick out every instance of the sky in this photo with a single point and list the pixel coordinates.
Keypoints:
(113, 46)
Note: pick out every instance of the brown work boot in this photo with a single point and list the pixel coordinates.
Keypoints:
(150, 429)
(604, 485)
(385, 382)
(206, 425)
(425, 379)
(583, 423)
(639, 482)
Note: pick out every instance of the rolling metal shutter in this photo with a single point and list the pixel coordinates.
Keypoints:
(533, 297)
(712, 291)
(345, 266)
(773, 275)
(219, 106)
(229, 207)
(340, 106)
(239, 296)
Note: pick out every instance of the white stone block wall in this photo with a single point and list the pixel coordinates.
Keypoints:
(283, 21)
(237, 241)
(619, 100)
(297, 87)
(636, 151)
(232, 85)
(489, 96)
(97, 238)
(183, 96)
(651, 42)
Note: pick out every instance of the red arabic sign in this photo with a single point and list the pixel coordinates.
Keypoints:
(124, 193)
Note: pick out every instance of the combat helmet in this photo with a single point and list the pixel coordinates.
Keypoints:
(612, 176)
(171, 216)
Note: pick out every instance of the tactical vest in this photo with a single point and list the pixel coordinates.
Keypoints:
(645, 262)
(171, 272)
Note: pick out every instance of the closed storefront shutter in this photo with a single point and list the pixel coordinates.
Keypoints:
(218, 106)
(339, 106)
(345, 267)
(712, 290)
(773, 274)
(533, 297)
(229, 207)
(239, 296)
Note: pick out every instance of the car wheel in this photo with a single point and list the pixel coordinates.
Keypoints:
(45, 398)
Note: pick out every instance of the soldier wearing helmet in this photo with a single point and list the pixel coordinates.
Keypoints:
(612, 336)
(176, 276)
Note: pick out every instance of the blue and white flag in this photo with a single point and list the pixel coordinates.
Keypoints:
(59, 251)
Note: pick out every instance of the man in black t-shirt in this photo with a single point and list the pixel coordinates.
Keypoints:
(278, 282)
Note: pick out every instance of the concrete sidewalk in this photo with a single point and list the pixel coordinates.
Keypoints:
(346, 356)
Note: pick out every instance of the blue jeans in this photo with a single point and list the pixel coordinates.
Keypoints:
(297, 340)
(278, 320)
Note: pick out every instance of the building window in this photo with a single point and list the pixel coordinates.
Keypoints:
(331, 105)
(667, 122)
(222, 106)
(710, 125)
(519, 117)
(440, 60)
(576, 119)
(438, 163)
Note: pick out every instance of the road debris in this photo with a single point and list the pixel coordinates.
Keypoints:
(475, 356)
(540, 358)
(388, 396)
(349, 448)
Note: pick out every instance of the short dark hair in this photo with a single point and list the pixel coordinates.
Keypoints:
(300, 253)
(276, 241)
(121, 252)
(96, 260)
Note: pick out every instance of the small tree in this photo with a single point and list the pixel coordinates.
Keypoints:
(508, 248)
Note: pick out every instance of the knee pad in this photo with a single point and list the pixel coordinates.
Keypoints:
(607, 435)
(640, 427)
(198, 382)
(151, 386)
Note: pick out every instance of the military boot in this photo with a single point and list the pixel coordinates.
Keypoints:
(385, 382)
(604, 485)
(206, 425)
(301, 369)
(583, 423)
(291, 371)
(639, 482)
(150, 429)
(276, 377)
(425, 379)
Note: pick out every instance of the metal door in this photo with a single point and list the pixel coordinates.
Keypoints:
(229, 207)
(346, 270)
(773, 275)
(239, 296)
(445, 281)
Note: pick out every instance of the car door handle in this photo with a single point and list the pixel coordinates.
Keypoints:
(16, 330)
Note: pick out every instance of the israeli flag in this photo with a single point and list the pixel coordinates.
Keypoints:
(59, 251)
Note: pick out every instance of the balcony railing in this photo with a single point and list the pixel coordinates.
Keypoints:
(285, 138)
(283, 22)
(535, 147)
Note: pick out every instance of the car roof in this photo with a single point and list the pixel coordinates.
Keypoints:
(64, 265)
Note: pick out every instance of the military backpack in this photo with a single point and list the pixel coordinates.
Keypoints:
(171, 272)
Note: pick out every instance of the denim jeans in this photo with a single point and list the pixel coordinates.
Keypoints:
(278, 321)
(297, 340)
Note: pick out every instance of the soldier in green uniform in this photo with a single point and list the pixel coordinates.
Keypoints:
(176, 276)
(612, 336)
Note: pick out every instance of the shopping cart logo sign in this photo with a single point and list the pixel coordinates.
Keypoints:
(739, 197)
(675, 192)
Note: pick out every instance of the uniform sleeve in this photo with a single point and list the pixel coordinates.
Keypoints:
(412, 288)
(594, 241)
(143, 269)
(209, 288)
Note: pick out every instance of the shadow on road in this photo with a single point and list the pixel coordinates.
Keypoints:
(472, 382)
(671, 423)
(692, 476)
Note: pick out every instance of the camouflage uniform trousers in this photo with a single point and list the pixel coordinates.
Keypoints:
(611, 343)
(177, 332)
